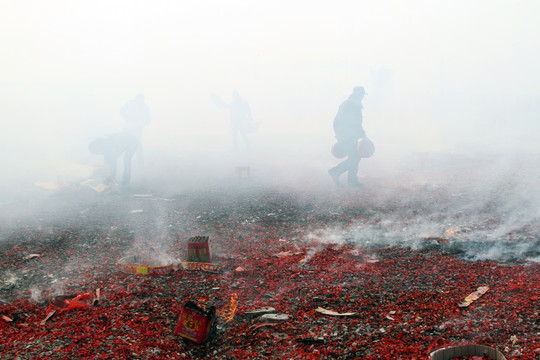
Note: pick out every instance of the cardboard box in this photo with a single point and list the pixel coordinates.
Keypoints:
(199, 249)
(242, 172)
(452, 352)
(195, 323)
(133, 265)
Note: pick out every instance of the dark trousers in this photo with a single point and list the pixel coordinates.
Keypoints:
(350, 164)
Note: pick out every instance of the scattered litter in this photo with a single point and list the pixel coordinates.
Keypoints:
(194, 322)
(94, 185)
(6, 318)
(260, 311)
(389, 317)
(452, 352)
(138, 211)
(143, 195)
(139, 265)
(273, 317)
(49, 315)
(439, 239)
(97, 297)
(69, 302)
(474, 296)
(31, 256)
(333, 313)
(258, 326)
(513, 340)
(283, 254)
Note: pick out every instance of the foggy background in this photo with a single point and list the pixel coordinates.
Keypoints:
(456, 77)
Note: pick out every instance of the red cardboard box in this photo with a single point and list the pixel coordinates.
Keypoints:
(199, 249)
(194, 322)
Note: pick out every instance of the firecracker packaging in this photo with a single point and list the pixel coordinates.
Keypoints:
(473, 350)
(242, 172)
(199, 249)
(200, 266)
(134, 265)
(195, 322)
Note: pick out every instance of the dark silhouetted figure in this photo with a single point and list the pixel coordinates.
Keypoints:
(348, 129)
(112, 148)
(240, 117)
(137, 116)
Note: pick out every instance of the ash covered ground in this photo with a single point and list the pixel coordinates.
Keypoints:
(400, 253)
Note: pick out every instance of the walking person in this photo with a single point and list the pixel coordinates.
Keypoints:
(136, 116)
(348, 129)
(241, 118)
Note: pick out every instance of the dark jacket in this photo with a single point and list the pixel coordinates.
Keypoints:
(348, 121)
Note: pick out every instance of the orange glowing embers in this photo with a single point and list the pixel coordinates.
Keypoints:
(145, 266)
(228, 311)
(195, 322)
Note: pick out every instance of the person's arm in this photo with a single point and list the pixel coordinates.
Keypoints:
(111, 162)
(249, 118)
(219, 102)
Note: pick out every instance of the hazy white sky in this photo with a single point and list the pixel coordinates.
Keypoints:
(437, 73)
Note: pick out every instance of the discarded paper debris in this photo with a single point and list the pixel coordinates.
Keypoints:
(6, 318)
(452, 352)
(260, 311)
(283, 254)
(68, 302)
(273, 317)
(333, 313)
(49, 315)
(474, 296)
(258, 326)
(97, 297)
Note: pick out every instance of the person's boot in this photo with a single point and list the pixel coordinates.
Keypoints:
(335, 176)
(353, 182)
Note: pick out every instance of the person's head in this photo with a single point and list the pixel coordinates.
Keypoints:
(139, 98)
(358, 93)
(236, 95)
(96, 146)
